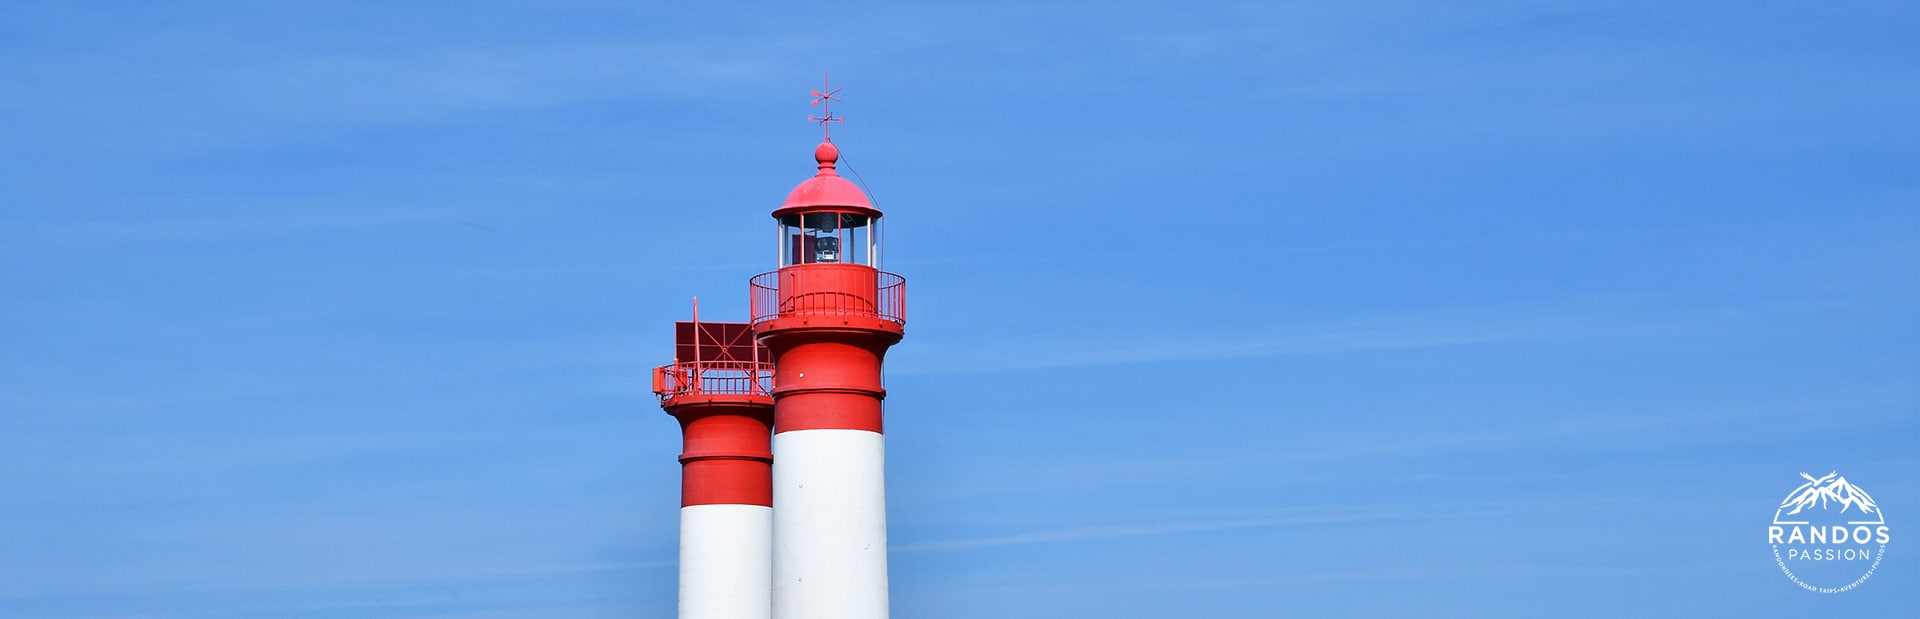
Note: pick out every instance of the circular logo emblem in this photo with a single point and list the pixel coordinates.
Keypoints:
(1828, 535)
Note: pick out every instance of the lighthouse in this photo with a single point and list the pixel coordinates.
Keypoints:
(719, 387)
(828, 316)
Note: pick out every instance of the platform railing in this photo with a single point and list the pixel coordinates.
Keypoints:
(887, 300)
(689, 378)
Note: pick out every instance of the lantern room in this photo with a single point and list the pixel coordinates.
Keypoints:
(829, 237)
(828, 220)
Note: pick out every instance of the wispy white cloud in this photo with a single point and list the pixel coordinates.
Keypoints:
(286, 219)
(231, 95)
(1192, 521)
(422, 579)
(1401, 332)
(1572, 319)
(435, 81)
(977, 356)
(1312, 576)
(1526, 431)
(1072, 534)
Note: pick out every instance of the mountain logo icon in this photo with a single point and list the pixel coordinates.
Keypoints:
(1825, 493)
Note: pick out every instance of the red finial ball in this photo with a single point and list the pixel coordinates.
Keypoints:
(827, 153)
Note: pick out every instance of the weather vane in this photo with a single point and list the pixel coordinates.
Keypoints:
(825, 98)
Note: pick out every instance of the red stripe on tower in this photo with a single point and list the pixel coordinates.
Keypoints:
(728, 450)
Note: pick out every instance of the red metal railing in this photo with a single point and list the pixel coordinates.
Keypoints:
(841, 292)
(713, 378)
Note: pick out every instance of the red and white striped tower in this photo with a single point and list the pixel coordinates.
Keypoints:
(828, 315)
(719, 388)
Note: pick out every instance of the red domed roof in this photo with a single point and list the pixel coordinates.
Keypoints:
(826, 188)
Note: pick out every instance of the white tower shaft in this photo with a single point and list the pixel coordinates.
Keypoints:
(726, 561)
(830, 525)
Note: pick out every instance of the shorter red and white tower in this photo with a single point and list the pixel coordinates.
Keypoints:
(720, 389)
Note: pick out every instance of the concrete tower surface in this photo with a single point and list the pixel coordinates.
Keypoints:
(828, 316)
(720, 389)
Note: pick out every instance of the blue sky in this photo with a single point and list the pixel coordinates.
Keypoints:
(1286, 308)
